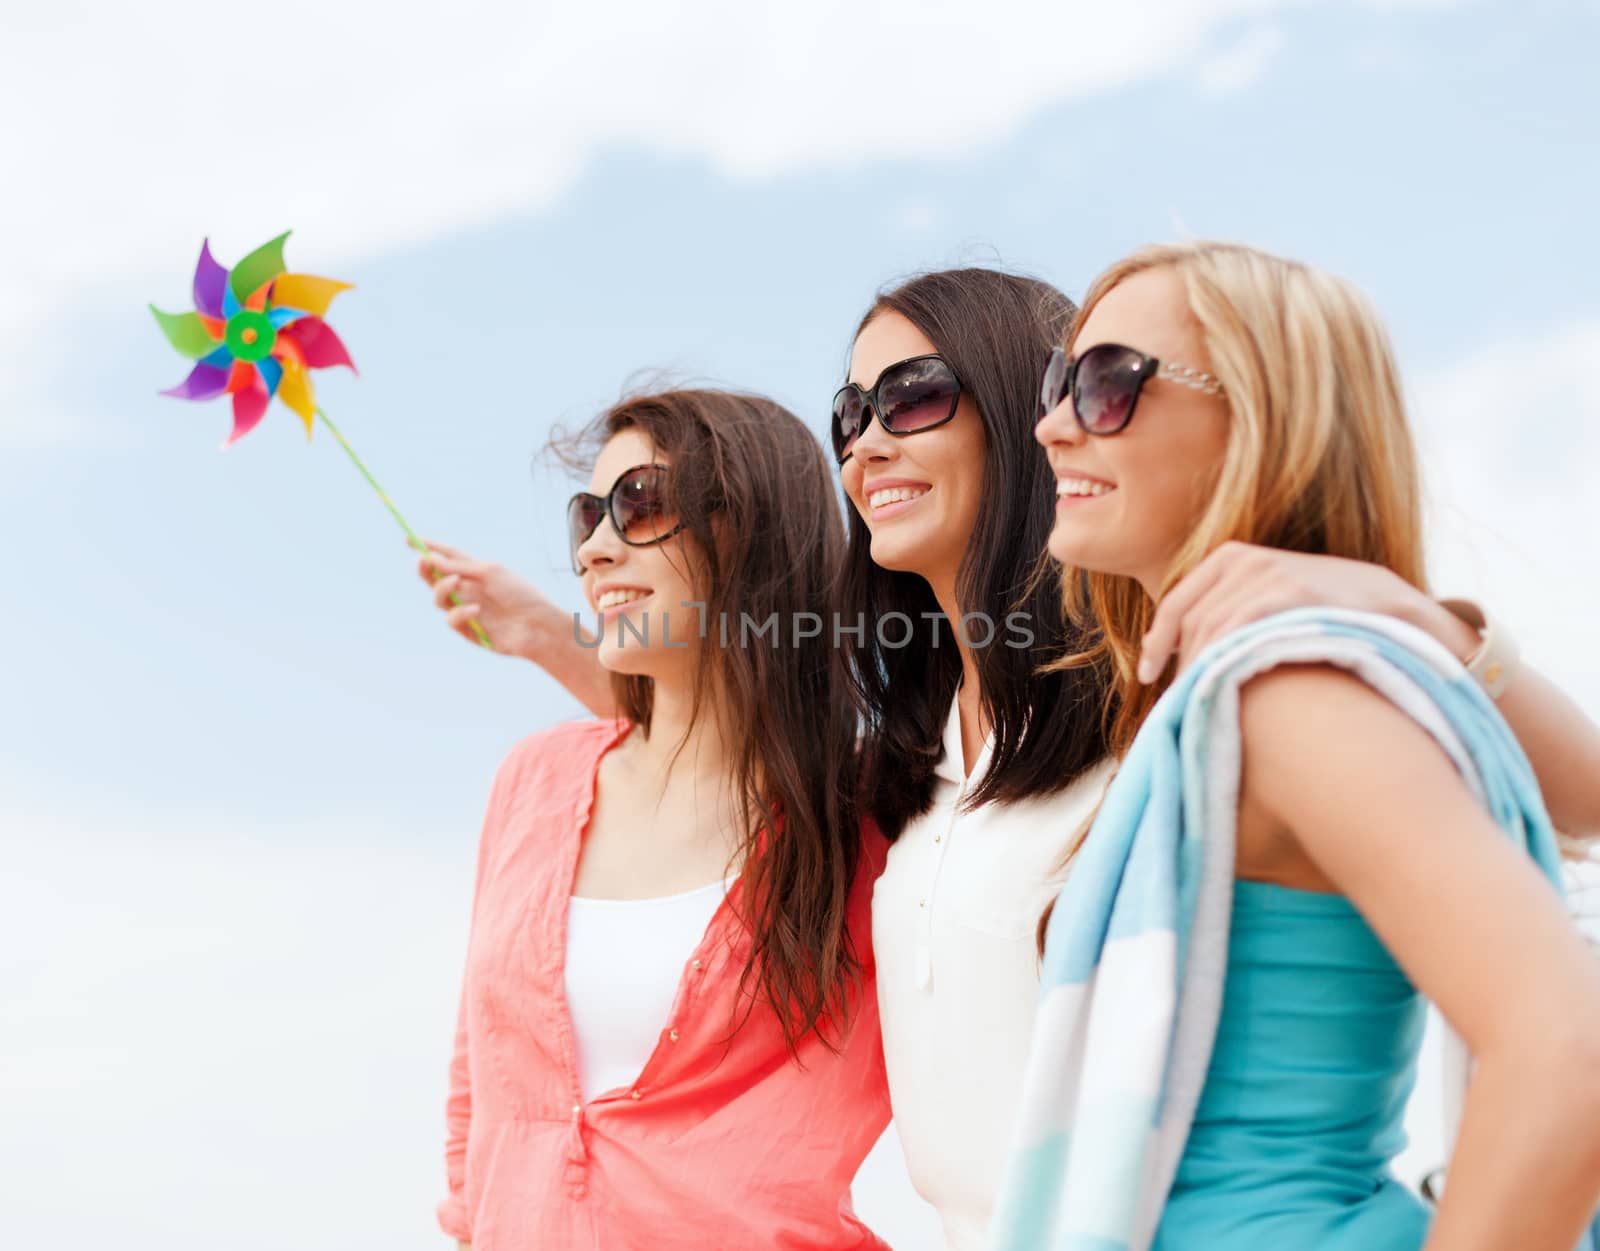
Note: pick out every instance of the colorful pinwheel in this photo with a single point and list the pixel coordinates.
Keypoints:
(256, 332)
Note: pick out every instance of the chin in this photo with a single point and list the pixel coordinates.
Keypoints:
(891, 556)
(636, 660)
(631, 659)
(624, 664)
(905, 553)
(1064, 551)
(1082, 557)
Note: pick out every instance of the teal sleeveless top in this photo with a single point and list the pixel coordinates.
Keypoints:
(1302, 1107)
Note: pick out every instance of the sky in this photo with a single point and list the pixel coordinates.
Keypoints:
(242, 764)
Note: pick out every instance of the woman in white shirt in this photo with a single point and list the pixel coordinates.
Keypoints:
(983, 815)
(950, 508)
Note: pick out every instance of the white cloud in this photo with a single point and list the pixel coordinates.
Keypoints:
(1509, 439)
(141, 128)
(1240, 65)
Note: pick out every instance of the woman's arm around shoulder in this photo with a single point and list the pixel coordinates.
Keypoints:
(1240, 583)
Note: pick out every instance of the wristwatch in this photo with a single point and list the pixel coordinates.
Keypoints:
(1496, 657)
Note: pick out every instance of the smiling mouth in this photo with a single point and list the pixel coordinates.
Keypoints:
(615, 599)
(1081, 487)
(895, 495)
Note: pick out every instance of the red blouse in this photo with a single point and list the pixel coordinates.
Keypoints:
(717, 1144)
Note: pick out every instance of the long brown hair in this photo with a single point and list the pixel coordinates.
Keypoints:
(995, 330)
(1319, 456)
(754, 493)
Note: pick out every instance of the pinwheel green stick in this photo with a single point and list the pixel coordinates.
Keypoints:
(411, 537)
(255, 334)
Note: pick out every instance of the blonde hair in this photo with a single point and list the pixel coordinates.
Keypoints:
(1319, 456)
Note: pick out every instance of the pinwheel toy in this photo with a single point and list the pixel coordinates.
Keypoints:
(257, 332)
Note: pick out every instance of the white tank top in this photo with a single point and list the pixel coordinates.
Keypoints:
(625, 958)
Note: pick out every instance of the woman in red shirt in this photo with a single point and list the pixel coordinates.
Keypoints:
(668, 1033)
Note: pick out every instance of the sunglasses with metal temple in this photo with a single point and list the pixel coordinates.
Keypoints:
(910, 396)
(1104, 384)
(637, 505)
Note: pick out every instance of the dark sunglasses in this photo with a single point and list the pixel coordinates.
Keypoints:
(1105, 382)
(637, 505)
(909, 397)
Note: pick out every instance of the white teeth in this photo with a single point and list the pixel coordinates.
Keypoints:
(1081, 486)
(612, 598)
(893, 495)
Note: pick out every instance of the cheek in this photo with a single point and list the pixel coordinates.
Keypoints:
(956, 464)
(850, 479)
(1197, 462)
(694, 572)
(681, 574)
(1170, 490)
(1172, 507)
(666, 568)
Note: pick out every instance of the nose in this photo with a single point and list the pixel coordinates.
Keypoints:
(873, 443)
(1059, 425)
(602, 548)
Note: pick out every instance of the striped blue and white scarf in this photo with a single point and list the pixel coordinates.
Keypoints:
(1137, 946)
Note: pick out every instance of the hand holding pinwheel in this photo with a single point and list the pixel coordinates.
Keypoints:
(258, 332)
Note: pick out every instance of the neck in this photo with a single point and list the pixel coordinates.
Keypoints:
(678, 740)
(681, 770)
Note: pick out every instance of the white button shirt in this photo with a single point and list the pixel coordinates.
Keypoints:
(954, 919)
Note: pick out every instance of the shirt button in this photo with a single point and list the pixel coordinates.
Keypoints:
(633, 1094)
(922, 903)
(938, 838)
(672, 1034)
(577, 1110)
(694, 964)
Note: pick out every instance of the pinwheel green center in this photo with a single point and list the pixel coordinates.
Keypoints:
(250, 335)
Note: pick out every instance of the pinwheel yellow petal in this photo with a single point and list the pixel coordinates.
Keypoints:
(306, 292)
(295, 390)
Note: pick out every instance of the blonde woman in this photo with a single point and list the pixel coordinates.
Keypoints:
(1212, 394)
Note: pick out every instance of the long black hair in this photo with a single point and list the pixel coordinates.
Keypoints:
(995, 330)
(752, 488)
